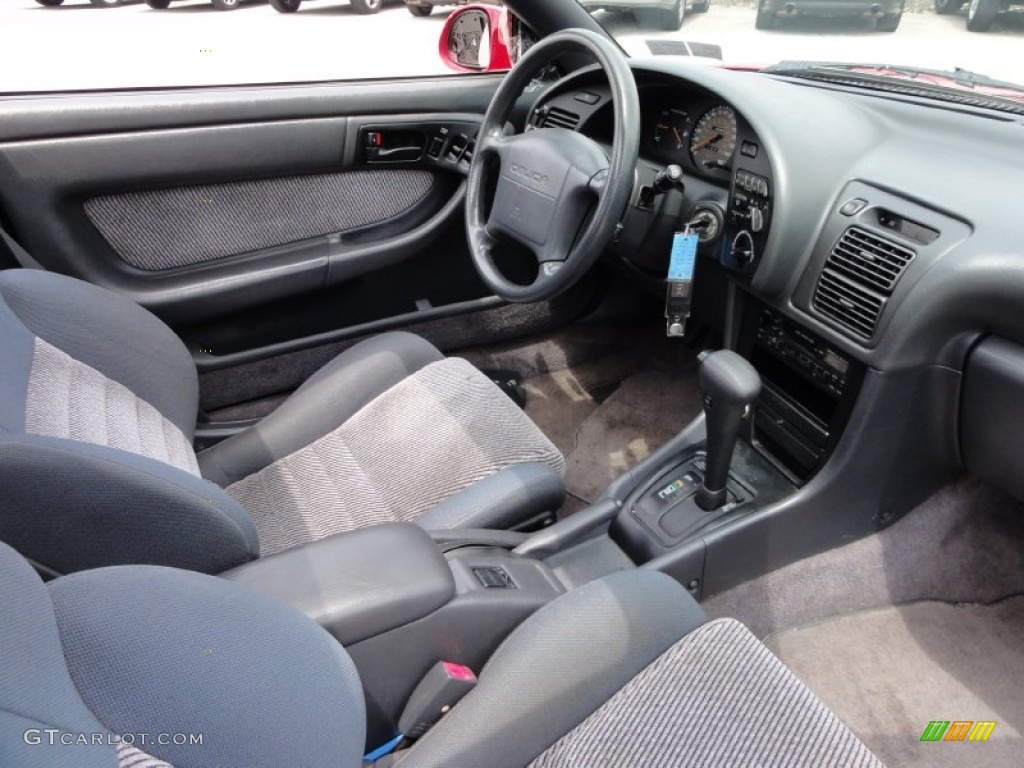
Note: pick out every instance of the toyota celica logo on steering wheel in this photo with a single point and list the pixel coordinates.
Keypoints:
(535, 176)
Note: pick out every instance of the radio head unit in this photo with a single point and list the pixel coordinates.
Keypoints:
(809, 389)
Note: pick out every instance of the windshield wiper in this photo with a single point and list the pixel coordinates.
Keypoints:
(960, 86)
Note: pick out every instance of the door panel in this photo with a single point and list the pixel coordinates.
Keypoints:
(261, 221)
(193, 223)
(205, 203)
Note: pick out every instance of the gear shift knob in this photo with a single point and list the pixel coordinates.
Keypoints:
(728, 384)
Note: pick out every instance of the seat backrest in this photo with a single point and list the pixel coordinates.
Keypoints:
(181, 668)
(98, 401)
(84, 363)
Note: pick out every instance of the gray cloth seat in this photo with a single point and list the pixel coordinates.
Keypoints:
(98, 406)
(622, 672)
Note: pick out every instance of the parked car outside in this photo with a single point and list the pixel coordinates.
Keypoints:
(426, 7)
(220, 5)
(359, 6)
(980, 13)
(98, 3)
(658, 14)
(887, 13)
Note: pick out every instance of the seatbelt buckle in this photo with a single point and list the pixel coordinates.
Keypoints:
(679, 282)
(440, 690)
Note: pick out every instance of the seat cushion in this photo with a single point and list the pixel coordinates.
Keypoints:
(36, 690)
(325, 401)
(717, 698)
(557, 668)
(624, 672)
(435, 433)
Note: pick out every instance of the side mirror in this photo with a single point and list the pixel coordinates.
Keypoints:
(474, 39)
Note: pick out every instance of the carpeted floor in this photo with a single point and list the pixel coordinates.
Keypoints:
(922, 621)
(605, 396)
(640, 416)
(964, 544)
(566, 375)
(888, 672)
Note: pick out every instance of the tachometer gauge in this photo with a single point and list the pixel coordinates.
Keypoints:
(670, 130)
(714, 138)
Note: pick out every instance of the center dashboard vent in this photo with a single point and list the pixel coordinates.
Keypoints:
(859, 276)
(555, 117)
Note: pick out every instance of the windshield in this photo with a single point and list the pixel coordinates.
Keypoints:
(64, 45)
(982, 36)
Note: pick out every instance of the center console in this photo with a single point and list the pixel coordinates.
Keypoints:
(806, 391)
(399, 604)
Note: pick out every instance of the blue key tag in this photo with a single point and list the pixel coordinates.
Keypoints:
(681, 264)
(684, 256)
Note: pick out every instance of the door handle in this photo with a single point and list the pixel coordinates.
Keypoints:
(394, 154)
(393, 145)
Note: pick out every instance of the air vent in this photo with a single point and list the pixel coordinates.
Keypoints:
(847, 303)
(859, 275)
(560, 118)
(869, 259)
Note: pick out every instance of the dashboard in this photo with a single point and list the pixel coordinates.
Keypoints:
(689, 128)
(864, 246)
(726, 192)
(817, 161)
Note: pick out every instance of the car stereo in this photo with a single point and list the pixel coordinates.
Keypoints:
(805, 386)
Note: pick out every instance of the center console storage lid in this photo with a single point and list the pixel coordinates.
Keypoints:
(357, 584)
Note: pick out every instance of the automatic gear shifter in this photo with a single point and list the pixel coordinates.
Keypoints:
(728, 385)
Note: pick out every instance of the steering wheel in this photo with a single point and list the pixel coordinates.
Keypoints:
(550, 178)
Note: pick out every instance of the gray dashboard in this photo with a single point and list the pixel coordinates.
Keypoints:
(940, 185)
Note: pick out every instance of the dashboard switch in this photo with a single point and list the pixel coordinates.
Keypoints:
(756, 219)
(853, 207)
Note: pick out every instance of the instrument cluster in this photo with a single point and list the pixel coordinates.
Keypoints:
(700, 136)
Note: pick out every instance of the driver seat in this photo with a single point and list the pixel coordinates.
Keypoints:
(98, 406)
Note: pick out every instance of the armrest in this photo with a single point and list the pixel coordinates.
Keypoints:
(477, 537)
(357, 584)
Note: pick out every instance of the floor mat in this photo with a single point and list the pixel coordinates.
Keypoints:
(887, 673)
(646, 411)
(964, 544)
(567, 375)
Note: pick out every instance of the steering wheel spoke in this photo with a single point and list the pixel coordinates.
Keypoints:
(597, 183)
(557, 192)
(493, 143)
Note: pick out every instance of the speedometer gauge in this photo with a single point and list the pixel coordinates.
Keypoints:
(714, 138)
